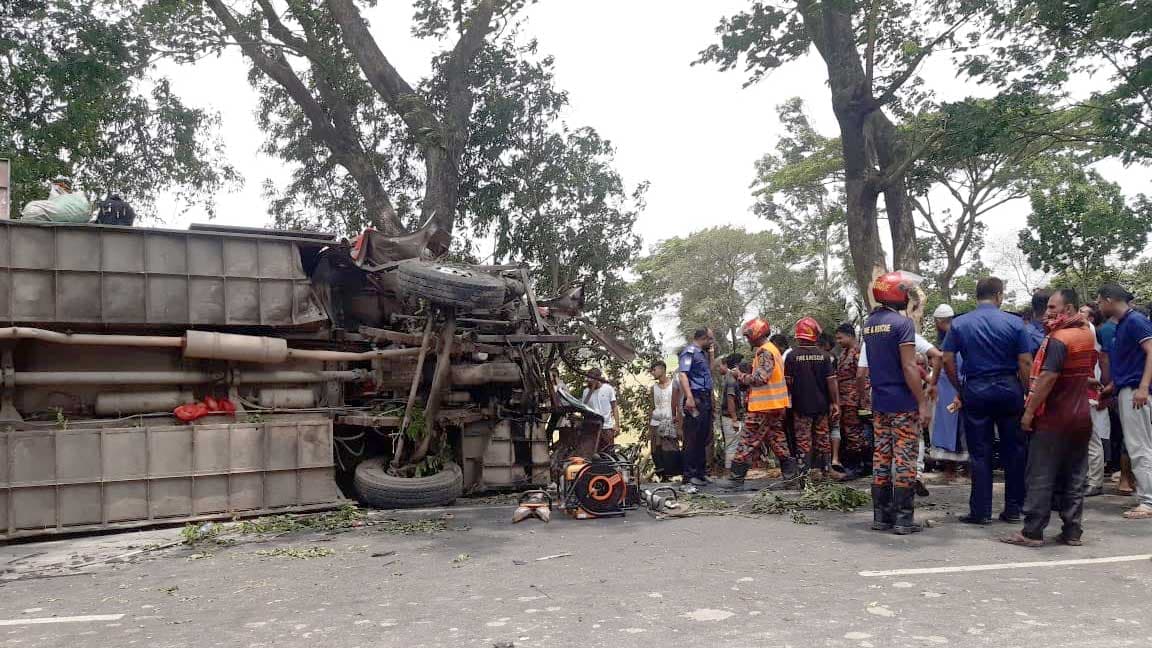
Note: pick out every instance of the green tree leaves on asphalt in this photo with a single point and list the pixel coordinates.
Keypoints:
(79, 97)
(1079, 222)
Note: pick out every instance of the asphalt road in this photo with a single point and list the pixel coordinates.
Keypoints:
(705, 581)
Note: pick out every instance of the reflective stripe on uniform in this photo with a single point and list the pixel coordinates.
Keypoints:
(774, 395)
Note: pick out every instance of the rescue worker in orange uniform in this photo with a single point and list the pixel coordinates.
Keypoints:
(767, 402)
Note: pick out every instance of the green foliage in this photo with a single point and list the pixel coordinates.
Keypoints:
(800, 191)
(299, 553)
(1042, 44)
(816, 496)
(79, 97)
(1079, 222)
(710, 278)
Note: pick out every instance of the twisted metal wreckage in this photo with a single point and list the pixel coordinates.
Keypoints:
(156, 375)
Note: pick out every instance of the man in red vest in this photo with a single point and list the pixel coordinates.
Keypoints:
(1058, 417)
(767, 402)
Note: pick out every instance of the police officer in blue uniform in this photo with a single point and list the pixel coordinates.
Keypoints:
(696, 385)
(997, 351)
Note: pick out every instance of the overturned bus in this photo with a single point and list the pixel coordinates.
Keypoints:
(155, 376)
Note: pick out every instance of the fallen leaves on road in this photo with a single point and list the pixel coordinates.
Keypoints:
(302, 553)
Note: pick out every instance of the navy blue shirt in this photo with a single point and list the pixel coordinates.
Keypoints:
(885, 331)
(990, 341)
(1125, 352)
(1036, 334)
(694, 364)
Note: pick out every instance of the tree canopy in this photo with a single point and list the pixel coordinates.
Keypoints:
(79, 97)
(1080, 222)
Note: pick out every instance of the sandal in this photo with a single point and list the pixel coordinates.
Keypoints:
(1071, 542)
(1125, 492)
(1020, 540)
(1139, 513)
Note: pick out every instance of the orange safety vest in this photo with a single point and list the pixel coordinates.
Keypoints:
(774, 395)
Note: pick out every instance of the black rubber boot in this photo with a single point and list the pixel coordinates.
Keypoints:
(787, 468)
(883, 514)
(736, 482)
(904, 500)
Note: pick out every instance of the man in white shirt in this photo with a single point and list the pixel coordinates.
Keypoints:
(601, 398)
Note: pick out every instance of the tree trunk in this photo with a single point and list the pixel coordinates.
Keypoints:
(891, 153)
(830, 26)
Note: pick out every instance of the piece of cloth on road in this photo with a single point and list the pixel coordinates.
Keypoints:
(1138, 439)
(897, 443)
(1057, 463)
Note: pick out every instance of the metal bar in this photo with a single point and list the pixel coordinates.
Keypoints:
(26, 378)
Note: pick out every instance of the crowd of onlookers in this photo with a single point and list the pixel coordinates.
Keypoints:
(1056, 397)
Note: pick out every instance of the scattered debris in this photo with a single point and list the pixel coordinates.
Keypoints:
(461, 559)
(815, 496)
(412, 527)
(553, 557)
(799, 517)
(384, 554)
(302, 553)
(701, 502)
(348, 516)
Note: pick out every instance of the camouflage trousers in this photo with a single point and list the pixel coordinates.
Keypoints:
(762, 428)
(812, 431)
(897, 444)
(854, 438)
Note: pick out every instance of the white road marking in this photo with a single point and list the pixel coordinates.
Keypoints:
(71, 619)
(1015, 565)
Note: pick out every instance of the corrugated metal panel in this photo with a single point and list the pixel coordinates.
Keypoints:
(67, 480)
(92, 274)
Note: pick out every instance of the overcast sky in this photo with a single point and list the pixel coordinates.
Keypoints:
(693, 132)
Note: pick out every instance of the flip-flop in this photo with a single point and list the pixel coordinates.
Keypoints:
(1019, 540)
(1071, 542)
(1126, 492)
(1138, 513)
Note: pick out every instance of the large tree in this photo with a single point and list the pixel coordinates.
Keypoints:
(79, 97)
(340, 96)
(872, 52)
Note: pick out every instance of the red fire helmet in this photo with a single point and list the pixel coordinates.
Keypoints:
(808, 329)
(756, 329)
(894, 287)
